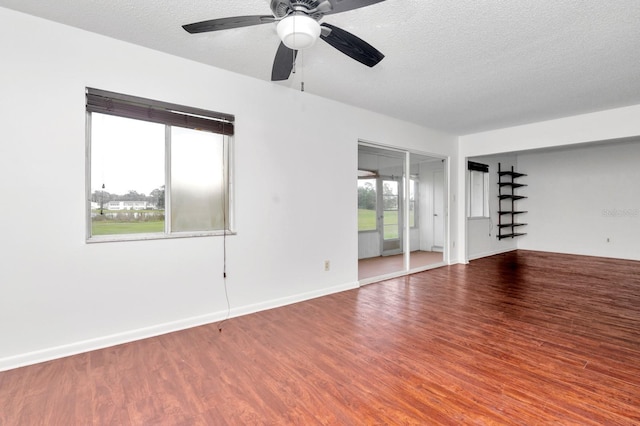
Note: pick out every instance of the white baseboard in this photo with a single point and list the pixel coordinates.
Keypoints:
(48, 354)
(491, 253)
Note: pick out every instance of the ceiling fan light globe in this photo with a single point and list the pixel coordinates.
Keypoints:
(298, 32)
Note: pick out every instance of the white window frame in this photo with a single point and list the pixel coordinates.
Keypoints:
(192, 114)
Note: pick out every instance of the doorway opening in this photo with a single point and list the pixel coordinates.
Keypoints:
(401, 212)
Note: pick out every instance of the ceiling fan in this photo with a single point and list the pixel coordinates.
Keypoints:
(298, 28)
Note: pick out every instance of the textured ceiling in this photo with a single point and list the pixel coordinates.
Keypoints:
(458, 66)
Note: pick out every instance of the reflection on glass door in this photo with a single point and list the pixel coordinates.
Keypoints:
(401, 212)
(426, 211)
(391, 217)
(438, 210)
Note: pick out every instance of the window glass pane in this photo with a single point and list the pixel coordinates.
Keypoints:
(198, 195)
(127, 176)
(367, 198)
(486, 195)
(478, 197)
(478, 205)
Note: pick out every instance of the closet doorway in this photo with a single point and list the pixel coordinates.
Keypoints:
(401, 212)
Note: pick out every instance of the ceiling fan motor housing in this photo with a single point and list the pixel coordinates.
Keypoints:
(313, 8)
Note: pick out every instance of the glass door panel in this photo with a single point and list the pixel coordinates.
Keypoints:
(402, 213)
(381, 174)
(391, 217)
(426, 211)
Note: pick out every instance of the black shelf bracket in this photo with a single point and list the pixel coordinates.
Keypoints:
(507, 203)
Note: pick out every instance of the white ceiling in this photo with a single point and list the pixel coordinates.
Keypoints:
(458, 66)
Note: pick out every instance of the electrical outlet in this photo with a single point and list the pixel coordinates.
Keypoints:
(327, 265)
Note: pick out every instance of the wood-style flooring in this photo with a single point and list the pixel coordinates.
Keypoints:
(524, 338)
(382, 265)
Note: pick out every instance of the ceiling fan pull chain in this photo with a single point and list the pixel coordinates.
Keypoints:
(293, 60)
(302, 76)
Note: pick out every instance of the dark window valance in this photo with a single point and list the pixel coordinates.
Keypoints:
(121, 105)
(478, 167)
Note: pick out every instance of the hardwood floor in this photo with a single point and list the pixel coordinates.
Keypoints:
(520, 338)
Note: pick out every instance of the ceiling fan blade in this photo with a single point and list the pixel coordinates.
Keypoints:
(344, 5)
(283, 63)
(228, 23)
(351, 45)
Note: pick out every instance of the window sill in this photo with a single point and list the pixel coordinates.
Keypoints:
(157, 236)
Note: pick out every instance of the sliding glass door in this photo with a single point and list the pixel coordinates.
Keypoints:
(401, 211)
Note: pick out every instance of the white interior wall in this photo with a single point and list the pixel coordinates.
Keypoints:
(606, 128)
(368, 244)
(61, 296)
(584, 200)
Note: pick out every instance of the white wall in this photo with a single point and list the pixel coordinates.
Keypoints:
(584, 200)
(608, 127)
(611, 124)
(59, 295)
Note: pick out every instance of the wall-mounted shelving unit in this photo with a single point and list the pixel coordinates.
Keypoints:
(508, 227)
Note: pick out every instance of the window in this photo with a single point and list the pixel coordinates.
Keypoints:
(156, 170)
(367, 201)
(478, 194)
